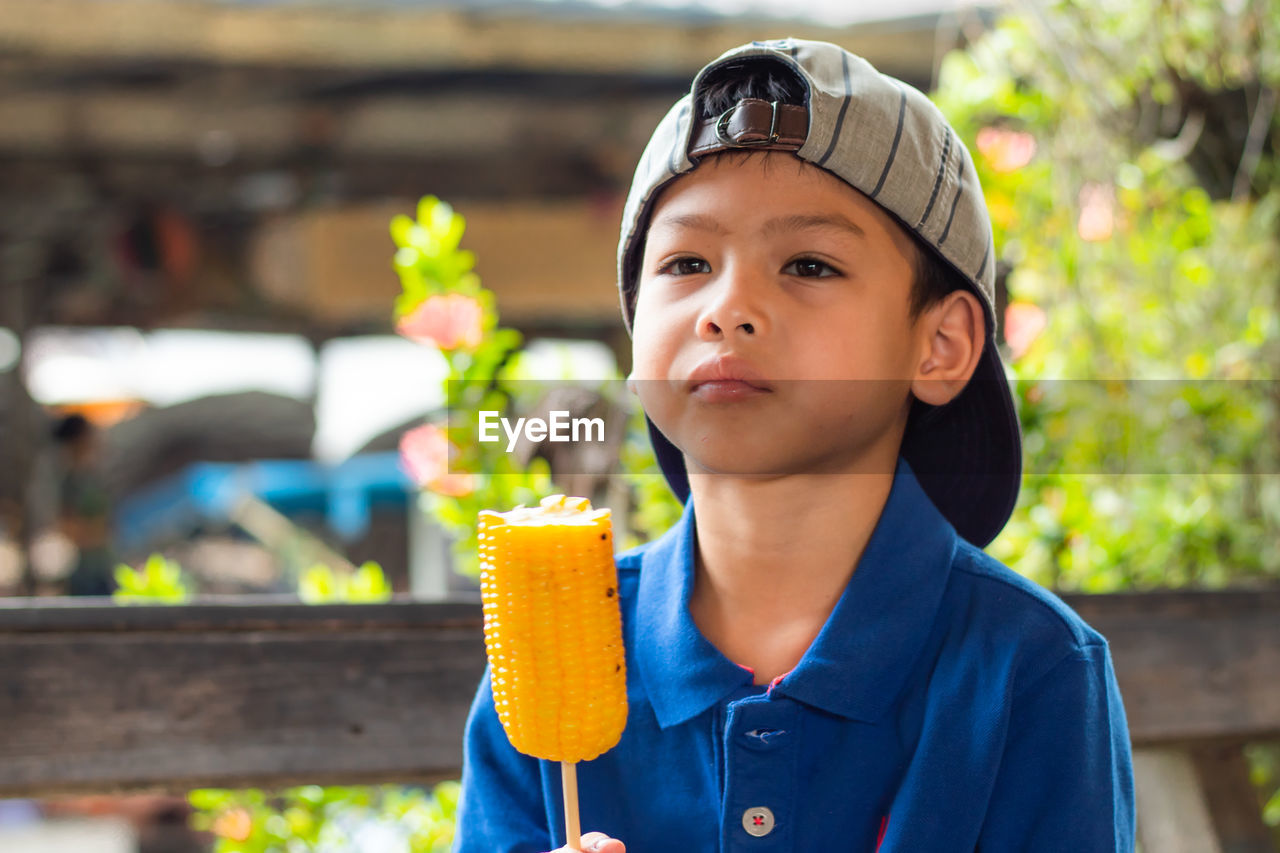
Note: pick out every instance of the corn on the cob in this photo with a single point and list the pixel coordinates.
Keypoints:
(553, 628)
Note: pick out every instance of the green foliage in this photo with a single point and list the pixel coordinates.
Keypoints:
(1142, 275)
(430, 263)
(367, 584)
(656, 508)
(1265, 771)
(314, 818)
(428, 259)
(159, 581)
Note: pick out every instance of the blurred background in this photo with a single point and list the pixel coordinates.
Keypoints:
(194, 208)
(206, 373)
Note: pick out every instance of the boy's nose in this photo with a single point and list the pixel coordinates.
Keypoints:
(734, 309)
(713, 329)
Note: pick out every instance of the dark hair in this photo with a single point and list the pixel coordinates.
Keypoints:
(71, 428)
(774, 80)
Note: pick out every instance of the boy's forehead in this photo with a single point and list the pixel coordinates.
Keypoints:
(800, 191)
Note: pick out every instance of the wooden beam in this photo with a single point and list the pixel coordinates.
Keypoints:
(1191, 664)
(240, 693)
(250, 691)
(544, 260)
(351, 36)
(115, 123)
(542, 175)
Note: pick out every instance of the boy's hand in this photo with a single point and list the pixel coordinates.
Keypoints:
(596, 842)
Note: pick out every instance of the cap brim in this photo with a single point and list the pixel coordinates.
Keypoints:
(967, 455)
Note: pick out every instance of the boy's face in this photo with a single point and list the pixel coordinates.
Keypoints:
(802, 285)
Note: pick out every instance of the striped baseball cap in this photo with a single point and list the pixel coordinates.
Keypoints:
(886, 139)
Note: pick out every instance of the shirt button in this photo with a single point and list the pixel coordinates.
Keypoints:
(757, 821)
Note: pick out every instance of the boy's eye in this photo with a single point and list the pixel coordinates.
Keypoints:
(811, 268)
(685, 266)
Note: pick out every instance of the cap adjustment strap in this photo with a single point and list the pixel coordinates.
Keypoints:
(753, 123)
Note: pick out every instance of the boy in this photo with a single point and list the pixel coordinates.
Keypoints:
(820, 657)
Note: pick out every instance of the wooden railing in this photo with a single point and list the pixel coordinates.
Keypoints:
(254, 692)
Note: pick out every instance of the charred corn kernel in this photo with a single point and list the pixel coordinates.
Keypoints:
(553, 628)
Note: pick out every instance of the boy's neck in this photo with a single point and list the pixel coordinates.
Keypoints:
(772, 559)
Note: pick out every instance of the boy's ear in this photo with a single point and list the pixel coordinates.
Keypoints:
(953, 333)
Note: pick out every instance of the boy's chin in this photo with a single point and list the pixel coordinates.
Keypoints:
(763, 468)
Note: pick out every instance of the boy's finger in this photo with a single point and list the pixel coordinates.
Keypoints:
(598, 842)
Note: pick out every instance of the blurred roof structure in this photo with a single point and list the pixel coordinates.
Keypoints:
(203, 163)
(835, 13)
(242, 108)
(225, 80)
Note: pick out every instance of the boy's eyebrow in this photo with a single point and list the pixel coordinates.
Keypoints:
(698, 221)
(801, 221)
(793, 222)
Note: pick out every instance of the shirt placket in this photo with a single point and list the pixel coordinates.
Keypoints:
(760, 742)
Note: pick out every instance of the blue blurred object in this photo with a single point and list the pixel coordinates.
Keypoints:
(19, 812)
(204, 493)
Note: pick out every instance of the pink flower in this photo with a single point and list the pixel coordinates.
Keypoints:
(1097, 217)
(447, 320)
(1023, 323)
(1006, 150)
(425, 452)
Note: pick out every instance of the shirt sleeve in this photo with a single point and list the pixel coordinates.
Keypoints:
(1066, 779)
(501, 807)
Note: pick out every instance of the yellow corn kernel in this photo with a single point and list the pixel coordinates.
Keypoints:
(553, 628)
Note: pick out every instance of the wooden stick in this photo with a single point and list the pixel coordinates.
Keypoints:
(572, 829)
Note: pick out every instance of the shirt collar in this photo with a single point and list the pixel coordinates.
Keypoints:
(860, 659)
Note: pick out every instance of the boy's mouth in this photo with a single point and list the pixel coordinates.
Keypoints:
(727, 390)
(726, 377)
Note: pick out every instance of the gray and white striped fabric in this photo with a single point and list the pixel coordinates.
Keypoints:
(879, 134)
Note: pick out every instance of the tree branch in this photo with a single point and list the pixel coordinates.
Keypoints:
(1258, 127)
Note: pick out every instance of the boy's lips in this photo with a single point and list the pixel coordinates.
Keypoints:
(726, 377)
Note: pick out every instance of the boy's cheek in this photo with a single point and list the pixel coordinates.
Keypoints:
(660, 402)
(649, 401)
(646, 350)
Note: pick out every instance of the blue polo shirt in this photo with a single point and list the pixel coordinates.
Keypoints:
(948, 704)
